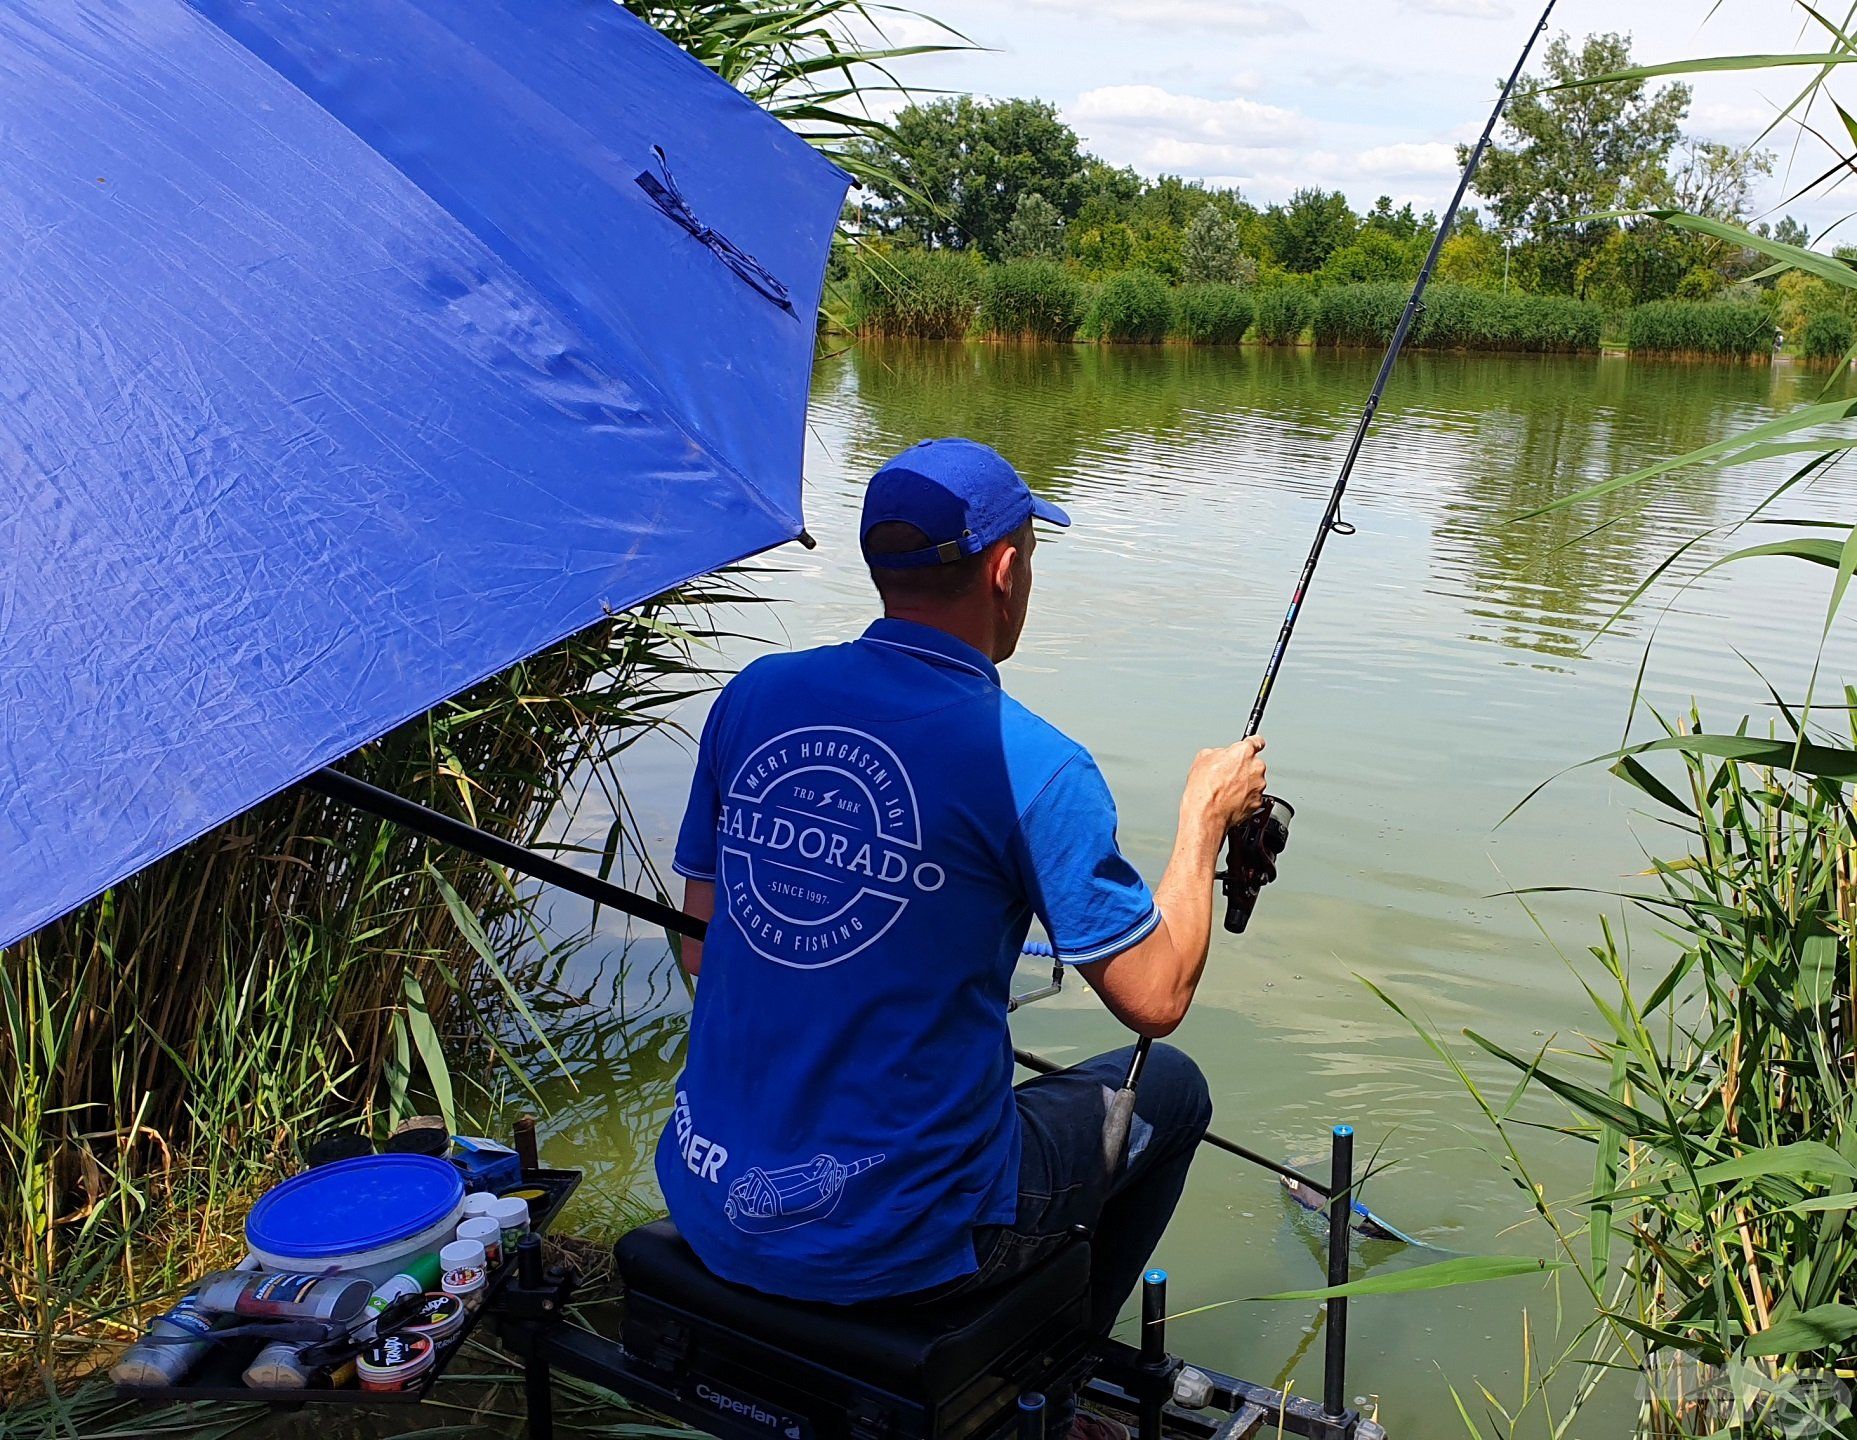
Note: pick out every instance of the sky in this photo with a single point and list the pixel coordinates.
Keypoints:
(1364, 96)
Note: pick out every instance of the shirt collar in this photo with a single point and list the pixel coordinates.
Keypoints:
(937, 647)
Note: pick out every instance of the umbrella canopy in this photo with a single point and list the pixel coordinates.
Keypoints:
(351, 352)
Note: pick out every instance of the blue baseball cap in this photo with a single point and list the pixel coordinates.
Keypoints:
(961, 494)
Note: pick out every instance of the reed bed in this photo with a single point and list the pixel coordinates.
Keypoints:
(1716, 329)
(917, 294)
(1457, 317)
(1212, 314)
(1031, 300)
(1135, 307)
(1283, 313)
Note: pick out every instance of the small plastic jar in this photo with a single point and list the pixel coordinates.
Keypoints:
(440, 1318)
(395, 1364)
(478, 1202)
(487, 1231)
(465, 1271)
(511, 1212)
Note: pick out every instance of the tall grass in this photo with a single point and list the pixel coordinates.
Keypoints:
(1283, 313)
(917, 294)
(1031, 300)
(1457, 317)
(1135, 307)
(1212, 314)
(1718, 329)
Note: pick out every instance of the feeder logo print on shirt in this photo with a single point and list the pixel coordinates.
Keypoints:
(821, 842)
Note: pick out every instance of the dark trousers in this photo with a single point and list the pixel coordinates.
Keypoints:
(1062, 1184)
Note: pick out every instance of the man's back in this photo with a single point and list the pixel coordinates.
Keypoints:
(881, 823)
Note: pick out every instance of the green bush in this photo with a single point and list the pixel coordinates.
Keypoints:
(1283, 313)
(1683, 327)
(925, 294)
(1134, 307)
(1031, 300)
(1212, 314)
(1457, 317)
(1827, 336)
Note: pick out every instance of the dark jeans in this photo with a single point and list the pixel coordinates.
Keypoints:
(1061, 1179)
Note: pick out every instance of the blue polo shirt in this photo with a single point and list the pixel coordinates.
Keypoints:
(882, 823)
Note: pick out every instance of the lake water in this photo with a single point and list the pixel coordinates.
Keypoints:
(1442, 670)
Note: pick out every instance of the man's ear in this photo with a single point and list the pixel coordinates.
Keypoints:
(1000, 566)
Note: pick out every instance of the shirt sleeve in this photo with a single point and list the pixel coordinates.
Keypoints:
(695, 857)
(1090, 900)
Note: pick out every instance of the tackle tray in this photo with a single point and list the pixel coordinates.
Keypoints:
(217, 1376)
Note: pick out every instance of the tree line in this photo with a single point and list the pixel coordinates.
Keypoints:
(1009, 180)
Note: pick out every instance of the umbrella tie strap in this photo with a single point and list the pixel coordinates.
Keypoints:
(669, 199)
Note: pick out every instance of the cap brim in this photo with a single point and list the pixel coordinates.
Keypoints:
(1045, 510)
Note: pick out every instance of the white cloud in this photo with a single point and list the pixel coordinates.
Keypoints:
(1158, 130)
(1465, 9)
(1246, 17)
(1715, 119)
(1188, 117)
(1430, 158)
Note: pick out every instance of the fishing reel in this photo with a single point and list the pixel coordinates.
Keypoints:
(1251, 850)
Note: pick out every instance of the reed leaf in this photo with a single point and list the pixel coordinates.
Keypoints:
(1440, 1275)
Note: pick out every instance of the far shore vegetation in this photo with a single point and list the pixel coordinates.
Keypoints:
(992, 222)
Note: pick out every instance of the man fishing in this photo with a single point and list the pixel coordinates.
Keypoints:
(872, 828)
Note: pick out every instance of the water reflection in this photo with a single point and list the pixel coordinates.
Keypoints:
(1468, 442)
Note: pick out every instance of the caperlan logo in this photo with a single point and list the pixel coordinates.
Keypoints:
(821, 842)
(752, 1411)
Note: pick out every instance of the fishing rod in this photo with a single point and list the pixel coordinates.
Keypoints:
(1255, 842)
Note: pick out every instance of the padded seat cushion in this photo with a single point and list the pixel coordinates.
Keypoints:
(909, 1350)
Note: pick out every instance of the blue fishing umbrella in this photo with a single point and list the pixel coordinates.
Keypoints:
(351, 352)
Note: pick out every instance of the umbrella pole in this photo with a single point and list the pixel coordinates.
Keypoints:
(448, 831)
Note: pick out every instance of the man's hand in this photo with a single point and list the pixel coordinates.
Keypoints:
(1225, 785)
(1149, 985)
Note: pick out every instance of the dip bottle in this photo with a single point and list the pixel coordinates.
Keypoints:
(172, 1347)
(279, 1366)
(395, 1364)
(285, 1295)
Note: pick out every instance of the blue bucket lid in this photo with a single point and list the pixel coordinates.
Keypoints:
(353, 1205)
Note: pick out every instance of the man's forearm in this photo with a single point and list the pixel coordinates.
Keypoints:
(1185, 898)
(1149, 986)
